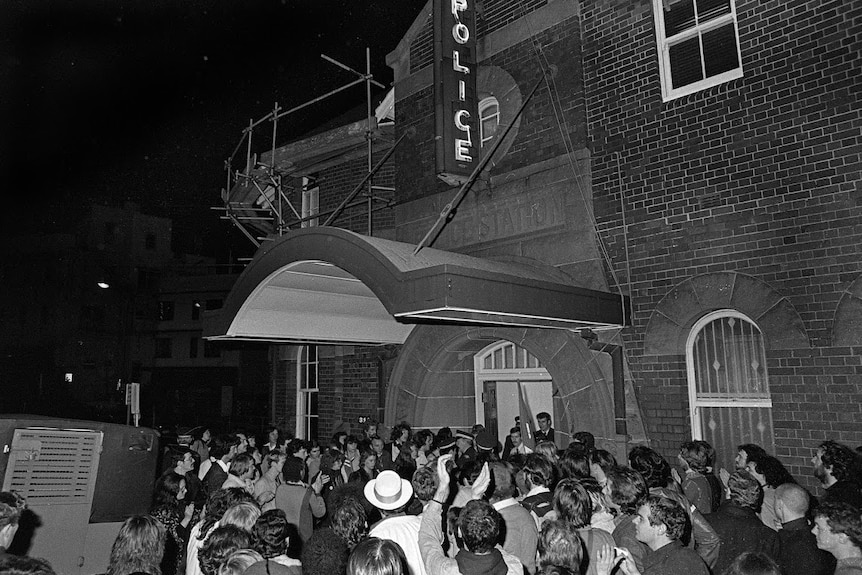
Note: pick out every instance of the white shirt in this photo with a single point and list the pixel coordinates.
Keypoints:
(403, 530)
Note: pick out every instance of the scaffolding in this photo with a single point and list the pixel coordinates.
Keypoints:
(256, 197)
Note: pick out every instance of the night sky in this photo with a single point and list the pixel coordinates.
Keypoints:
(109, 101)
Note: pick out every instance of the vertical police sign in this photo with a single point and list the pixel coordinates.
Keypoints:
(456, 135)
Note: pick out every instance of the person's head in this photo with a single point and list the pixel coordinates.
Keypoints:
(182, 461)
(424, 440)
(543, 419)
(331, 460)
(463, 440)
(367, 459)
(838, 528)
(351, 443)
(574, 463)
(693, 455)
(791, 502)
(241, 441)
(627, 488)
(585, 438)
(652, 466)
(270, 533)
(377, 445)
(515, 436)
(538, 470)
(752, 563)
(572, 503)
(325, 553)
(768, 470)
(238, 561)
(139, 546)
(744, 490)
(400, 433)
(242, 466)
(833, 462)
(350, 521)
(369, 428)
(220, 446)
(275, 461)
(12, 506)
(710, 453)
(297, 448)
(388, 492)
(424, 483)
(744, 451)
(479, 524)
(170, 490)
(16, 565)
(218, 502)
(376, 556)
(243, 515)
(659, 521)
(223, 541)
(314, 450)
(559, 545)
(503, 480)
(273, 435)
(548, 449)
(598, 495)
(339, 439)
(468, 474)
(601, 461)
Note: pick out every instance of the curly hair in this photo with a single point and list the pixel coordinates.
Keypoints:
(328, 459)
(325, 553)
(667, 512)
(139, 546)
(585, 438)
(842, 460)
(652, 466)
(424, 483)
(842, 518)
(539, 469)
(238, 561)
(223, 541)
(695, 455)
(745, 490)
(395, 435)
(218, 502)
(559, 546)
(628, 489)
(270, 533)
(503, 480)
(572, 503)
(11, 507)
(480, 526)
(350, 522)
(772, 469)
(604, 459)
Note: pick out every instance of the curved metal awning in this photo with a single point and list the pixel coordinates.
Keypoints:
(329, 285)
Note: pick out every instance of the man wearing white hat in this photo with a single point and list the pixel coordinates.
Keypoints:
(391, 494)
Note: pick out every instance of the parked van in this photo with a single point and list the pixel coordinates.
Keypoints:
(81, 480)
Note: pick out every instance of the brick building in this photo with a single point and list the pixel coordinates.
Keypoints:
(698, 156)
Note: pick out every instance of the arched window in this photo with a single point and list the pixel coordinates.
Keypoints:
(489, 119)
(501, 371)
(728, 387)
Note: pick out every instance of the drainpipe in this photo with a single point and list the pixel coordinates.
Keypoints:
(616, 353)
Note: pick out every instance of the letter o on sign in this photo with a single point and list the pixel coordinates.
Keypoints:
(461, 33)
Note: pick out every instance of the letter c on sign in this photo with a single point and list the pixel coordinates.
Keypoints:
(461, 117)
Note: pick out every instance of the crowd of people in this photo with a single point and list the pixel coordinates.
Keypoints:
(459, 502)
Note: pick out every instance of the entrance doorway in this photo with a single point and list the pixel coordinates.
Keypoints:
(501, 370)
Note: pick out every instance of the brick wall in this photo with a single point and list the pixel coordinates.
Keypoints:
(760, 175)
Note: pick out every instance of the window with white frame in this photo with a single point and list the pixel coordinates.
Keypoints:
(698, 44)
(489, 119)
(307, 392)
(728, 386)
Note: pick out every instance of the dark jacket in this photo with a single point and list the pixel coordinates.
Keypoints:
(844, 491)
(541, 436)
(741, 530)
(798, 553)
(702, 538)
(214, 478)
(674, 559)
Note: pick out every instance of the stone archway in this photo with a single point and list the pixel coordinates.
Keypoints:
(432, 383)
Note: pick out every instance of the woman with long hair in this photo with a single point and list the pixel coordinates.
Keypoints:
(217, 504)
(138, 548)
(201, 442)
(377, 557)
(367, 467)
(271, 537)
(171, 509)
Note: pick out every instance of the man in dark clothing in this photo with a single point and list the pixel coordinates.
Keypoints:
(660, 523)
(545, 431)
(834, 465)
(797, 547)
(222, 451)
(737, 524)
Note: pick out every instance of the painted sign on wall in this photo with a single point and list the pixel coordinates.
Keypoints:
(455, 99)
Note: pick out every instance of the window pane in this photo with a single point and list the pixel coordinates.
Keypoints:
(679, 18)
(509, 350)
(685, 63)
(312, 376)
(711, 9)
(312, 404)
(719, 50)
(312, 428)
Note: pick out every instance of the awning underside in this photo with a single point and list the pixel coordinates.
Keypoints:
(328, 285)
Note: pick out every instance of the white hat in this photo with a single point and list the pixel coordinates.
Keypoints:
(388, 491)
